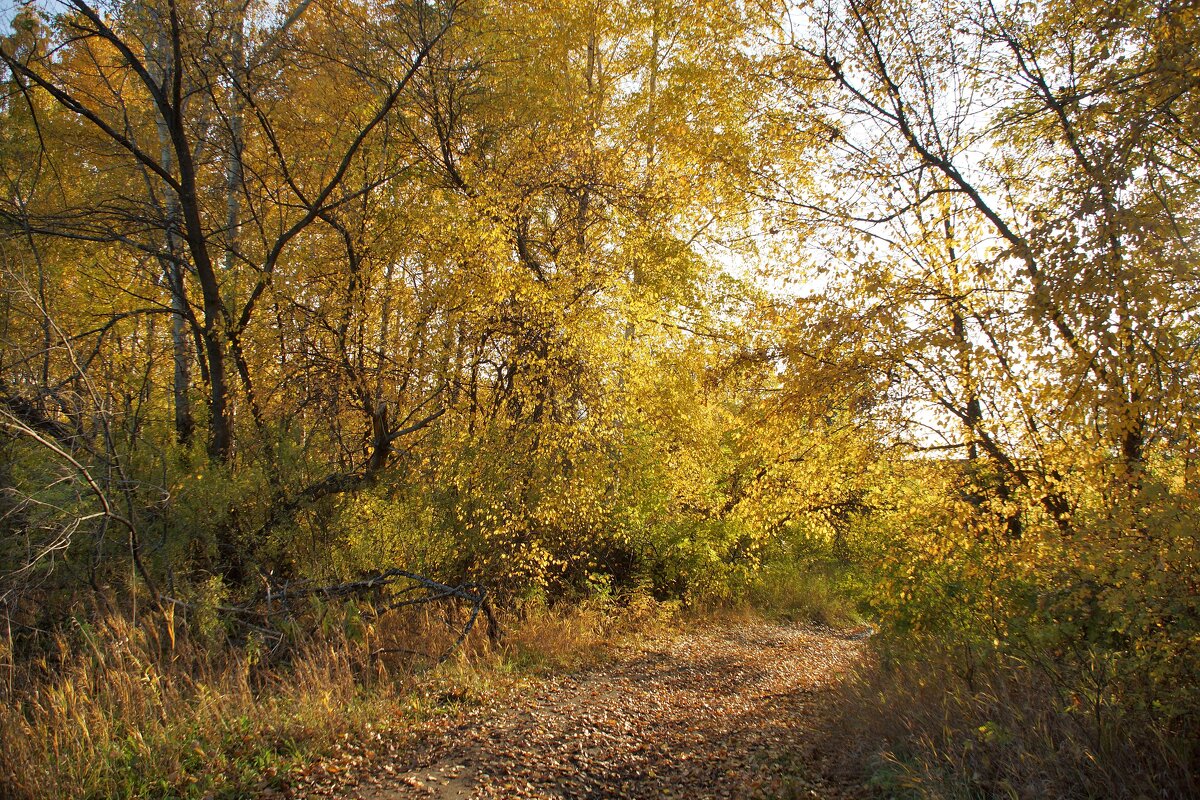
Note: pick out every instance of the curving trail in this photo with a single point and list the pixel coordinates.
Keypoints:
(738, 710)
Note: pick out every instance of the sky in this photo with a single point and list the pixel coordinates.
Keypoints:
(7, 10)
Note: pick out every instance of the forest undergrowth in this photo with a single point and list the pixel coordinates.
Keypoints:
(161, 707)
(155, 708)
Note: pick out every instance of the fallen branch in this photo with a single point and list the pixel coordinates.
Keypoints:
(384, 592)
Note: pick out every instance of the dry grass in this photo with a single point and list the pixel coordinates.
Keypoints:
(116, 709)
(563, 638)
(929, 729)
(802, 594)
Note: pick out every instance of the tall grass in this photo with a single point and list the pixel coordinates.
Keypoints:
(950, 725)
(560, 638)
(804, 592)
(122, 710)
(156, 709)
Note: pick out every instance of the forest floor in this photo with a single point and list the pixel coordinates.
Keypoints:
(736, 709)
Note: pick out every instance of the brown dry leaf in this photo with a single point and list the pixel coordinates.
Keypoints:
(721, 712)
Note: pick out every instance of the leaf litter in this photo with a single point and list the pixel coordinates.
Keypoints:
(729, 710)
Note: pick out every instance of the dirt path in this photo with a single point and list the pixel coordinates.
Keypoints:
(732, 711)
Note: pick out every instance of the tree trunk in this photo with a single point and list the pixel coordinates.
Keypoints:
(173, 273)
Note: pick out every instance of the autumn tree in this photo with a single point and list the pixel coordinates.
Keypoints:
(1021, 141)
(1002, 225)
(211, 182)
(140, 75)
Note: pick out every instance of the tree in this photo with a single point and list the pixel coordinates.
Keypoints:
(1002, 229)
(1022, 200)
(142, 68)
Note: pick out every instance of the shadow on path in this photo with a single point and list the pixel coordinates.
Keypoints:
(721, 712)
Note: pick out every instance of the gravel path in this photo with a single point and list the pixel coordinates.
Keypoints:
(739, 710)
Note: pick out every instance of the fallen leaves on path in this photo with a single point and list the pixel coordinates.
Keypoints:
(728, 711)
